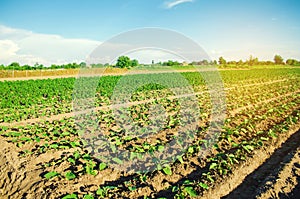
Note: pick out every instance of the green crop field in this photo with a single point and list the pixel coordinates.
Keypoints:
(43, 133)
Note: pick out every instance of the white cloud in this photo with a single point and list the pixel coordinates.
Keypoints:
(7, 49)
(26, 47)
(171, 4)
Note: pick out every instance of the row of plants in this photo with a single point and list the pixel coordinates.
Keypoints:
(52, 97)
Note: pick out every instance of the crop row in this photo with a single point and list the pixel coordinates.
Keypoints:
(235, 99)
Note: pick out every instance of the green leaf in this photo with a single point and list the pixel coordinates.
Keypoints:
(88, 197)
(102, 166)
(70, 176)
(187, 182)
(101, 192)
(70, 196)
(71, 160)
(117, 160)
(15, 134)
(167, 170)
(132, 188)
(264, 139)
(76, 155)
(65, 134)
(74, 144)
(26, 139)
(37, 139)
(50, 175)
(191, 191)
(213, 165)
(203, 185)
(179, 158)
(86, 157)
(161, 148)
(248, 148)
(54, 146)
(191, 149)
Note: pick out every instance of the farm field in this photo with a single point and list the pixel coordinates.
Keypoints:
(44, 150)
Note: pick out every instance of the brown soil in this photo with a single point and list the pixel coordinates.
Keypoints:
(273, 172)
(108, 72)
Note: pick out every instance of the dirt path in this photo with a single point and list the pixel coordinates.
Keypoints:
(249, 179)
(98, 75)
(277, 177)
(116, 73)
(283, 181)
(15, 176)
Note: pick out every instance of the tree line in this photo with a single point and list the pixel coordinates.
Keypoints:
(126, 62)
(252, 61)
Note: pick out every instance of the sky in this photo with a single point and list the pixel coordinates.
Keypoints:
(63, 31)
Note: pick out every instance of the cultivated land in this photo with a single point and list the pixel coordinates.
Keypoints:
(256, 153)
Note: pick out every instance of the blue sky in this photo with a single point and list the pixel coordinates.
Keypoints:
(58, 31)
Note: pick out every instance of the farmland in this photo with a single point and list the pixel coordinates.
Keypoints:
(46, 134)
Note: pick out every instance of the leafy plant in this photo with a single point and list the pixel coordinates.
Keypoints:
(51, 174)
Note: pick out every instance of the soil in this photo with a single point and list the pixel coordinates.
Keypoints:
(273, 172)
(115, 73)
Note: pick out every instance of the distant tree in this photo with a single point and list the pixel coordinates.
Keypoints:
(134, 63)
(252, 61)
(278, 59)
(14, 65)
(123, 62)
(240, 62)
(26, 67)
(194, 63)
(53, 66)
(99, 65)
(292, 62)
(222, 61)
(289, 62)
(82, 65)
(171, 63)
(204, 62)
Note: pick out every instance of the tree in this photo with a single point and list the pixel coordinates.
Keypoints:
(14, 66)
(222, 61)
(252, 61)
(171, 63)
(123, 62)
(292, 62)
(240, 62)
(134, 63)
(278, 59)
(82, 65)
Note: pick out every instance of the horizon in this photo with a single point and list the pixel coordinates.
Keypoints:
(58, 32)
